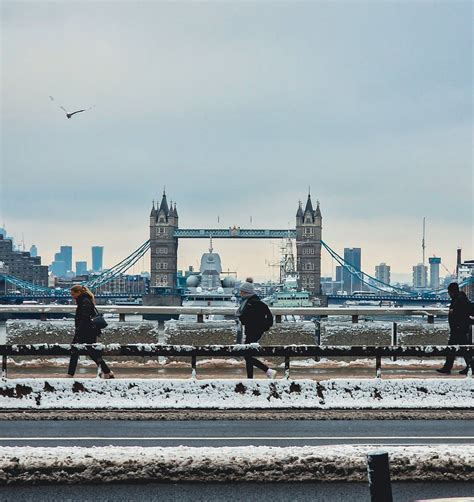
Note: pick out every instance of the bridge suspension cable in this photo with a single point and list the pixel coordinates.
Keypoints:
(20, 283)
(119, 268)
(367, 279)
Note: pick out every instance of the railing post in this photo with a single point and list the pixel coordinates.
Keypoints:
(4, 366)
(317, 335)
(378, 470)
(431, 319)
(122, 317)
(43, 317)
(200, 318)
(355, 318)
(287, 367)
(193, 366)
(278, 318)
(394, 337)
(378, 366)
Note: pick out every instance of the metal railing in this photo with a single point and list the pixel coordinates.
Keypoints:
(253, 350)
(200, 312)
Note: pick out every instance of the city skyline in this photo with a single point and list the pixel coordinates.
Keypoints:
(237, 112)
(269, 264)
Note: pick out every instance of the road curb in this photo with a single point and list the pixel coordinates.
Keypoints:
(76, 465)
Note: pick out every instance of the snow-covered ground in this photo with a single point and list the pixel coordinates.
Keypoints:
(111, 464)
(236, 394)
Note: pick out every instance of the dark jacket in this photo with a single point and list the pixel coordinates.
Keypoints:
(252, 316)
(85, 331)
(459, 311)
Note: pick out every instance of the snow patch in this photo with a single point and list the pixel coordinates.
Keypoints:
(236, 394)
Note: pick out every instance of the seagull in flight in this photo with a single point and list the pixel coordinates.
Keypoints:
(68, 115)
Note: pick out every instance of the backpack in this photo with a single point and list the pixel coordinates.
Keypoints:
(266, 320)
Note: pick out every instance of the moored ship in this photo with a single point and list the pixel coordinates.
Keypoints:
(208, 289)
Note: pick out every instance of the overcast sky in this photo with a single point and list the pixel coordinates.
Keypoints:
(237, 108)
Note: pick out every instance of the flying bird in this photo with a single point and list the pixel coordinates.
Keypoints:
(68, 115)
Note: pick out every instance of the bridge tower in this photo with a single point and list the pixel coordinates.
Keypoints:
(308, 247)
(163, 249)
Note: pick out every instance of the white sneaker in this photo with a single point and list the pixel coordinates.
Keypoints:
(271, 374)
(107, 376)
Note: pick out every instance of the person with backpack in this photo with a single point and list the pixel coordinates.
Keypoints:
(256, 318)
(459, 319)
(85, 330)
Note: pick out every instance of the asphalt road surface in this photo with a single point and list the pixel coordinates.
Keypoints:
(223, 492)
(233, 433)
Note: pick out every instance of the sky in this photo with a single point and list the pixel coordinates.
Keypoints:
(237, 108)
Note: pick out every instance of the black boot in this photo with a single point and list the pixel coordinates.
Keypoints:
(444, 370)
(465, 371)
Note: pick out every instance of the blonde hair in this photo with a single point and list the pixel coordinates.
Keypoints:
(83, 290)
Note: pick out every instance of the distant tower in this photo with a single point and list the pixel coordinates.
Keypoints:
(163, 246)
(308, 247)
(97, 258)
(434, 262)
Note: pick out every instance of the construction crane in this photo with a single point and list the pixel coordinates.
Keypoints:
(452, 274)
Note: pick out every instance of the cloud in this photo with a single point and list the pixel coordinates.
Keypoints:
(237, 108)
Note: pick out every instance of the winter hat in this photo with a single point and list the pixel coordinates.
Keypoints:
(247, 288)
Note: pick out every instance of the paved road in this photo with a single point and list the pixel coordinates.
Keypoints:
(242, 492)
(233, 433)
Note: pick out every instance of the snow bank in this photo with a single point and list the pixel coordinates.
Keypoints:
(236, 394)
(110, 464)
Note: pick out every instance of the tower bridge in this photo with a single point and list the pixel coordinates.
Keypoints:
(163, 246)
(165, 234)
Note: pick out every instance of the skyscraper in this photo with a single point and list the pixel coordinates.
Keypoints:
(434, 262)
(351, 282)
(81, 267)
(66, 253)
(339, 278)
(382, 273)
(420, 273)
(33, 251)
(58, 267)
(97, 258)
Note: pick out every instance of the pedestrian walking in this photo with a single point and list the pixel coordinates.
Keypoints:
(256, 318)
(460, 311)
(85, 330)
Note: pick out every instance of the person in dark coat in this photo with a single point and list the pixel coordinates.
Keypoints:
(459, 326)
(256, 318)
(85, 330)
